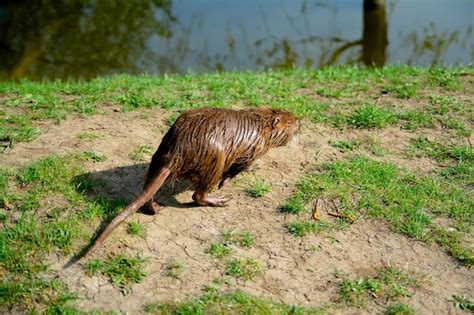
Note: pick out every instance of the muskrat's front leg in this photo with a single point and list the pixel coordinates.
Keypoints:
(207, 180)
(233, 171)
(201, 198)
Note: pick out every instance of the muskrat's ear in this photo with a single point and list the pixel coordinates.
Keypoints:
(276, 121)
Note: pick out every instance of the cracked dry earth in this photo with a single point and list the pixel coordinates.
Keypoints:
(294, 270)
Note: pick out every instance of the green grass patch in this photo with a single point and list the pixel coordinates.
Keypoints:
(47, 296)
(402, 89)
(121, 270)
(218, 250)
(400, 309)
(463, 302)
(371, 116)
(259, 188)
(441, 105)
(462, 173)
(245, 269)
(302, 228)
(17, 129)
(345, 146)
(241, 238)
(237, 302)
(389, 284)
(416, 119)
(295, 204)
(409, 202)
(88, 136)
(47, 211)
(223, 248)
(136, 229)
(26, 102)
(142, 153)
(424, 147)
(444, 78)
(174, 269)
(95, 157)
(456, 124)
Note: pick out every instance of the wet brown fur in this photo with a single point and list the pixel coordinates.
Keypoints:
(209, 146)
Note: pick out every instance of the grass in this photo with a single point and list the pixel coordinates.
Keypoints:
(370, 116)
(236, 302)
(463, 302)
(121, 270)
(174, 269)
(410, 203)
(259, 188)
(241, 238)
(223, 248)
(460, 159)
(218, 250)
(45, 207)
(142, 153)
(136, 229)
(245, 269)
(424, 147)
(295, 204)
(26, 102)
(95, 157)
(401, 89)
(390, 284)
(345, 146)
(416, 119)
(88, 136)
(49, 296)
(302, 228)
(34, 227)
(400, 309)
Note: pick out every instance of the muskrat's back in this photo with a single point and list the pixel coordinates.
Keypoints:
(203, 137)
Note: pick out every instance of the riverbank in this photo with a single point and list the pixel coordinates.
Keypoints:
(384, 154)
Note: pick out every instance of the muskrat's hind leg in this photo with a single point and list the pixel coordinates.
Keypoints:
(151, 206)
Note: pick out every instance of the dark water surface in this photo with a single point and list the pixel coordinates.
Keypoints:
(84, 39)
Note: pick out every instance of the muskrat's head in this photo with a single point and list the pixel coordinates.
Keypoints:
(284, 125)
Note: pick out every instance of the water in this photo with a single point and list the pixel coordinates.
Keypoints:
(85, 39)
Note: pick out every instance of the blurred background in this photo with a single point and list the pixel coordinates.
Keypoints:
(82, 39)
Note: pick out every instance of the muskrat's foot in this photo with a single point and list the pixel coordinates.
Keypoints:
(151, 207)
(217, 201)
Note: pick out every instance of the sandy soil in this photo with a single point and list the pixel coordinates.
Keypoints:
(295, 270)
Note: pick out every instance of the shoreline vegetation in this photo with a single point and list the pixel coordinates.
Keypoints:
(329, 95)
(45, 206)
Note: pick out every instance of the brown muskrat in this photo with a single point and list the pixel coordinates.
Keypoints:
(209, 146)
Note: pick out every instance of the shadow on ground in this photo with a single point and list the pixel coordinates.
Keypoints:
(121, 185)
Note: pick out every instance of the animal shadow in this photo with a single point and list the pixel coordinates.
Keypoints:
(121, 185)
(125, 183)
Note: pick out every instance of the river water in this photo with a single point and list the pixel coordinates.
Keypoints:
(82, 39)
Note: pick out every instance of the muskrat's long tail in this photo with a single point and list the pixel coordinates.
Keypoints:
(151, 187)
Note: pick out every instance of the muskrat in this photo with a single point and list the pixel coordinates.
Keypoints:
(208, 146)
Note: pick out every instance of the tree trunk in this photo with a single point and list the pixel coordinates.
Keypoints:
(374, 39)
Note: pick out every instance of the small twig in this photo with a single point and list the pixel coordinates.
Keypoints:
(316, 211)
(343, 216)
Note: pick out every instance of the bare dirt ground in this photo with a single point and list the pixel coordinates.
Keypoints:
(295, 270)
